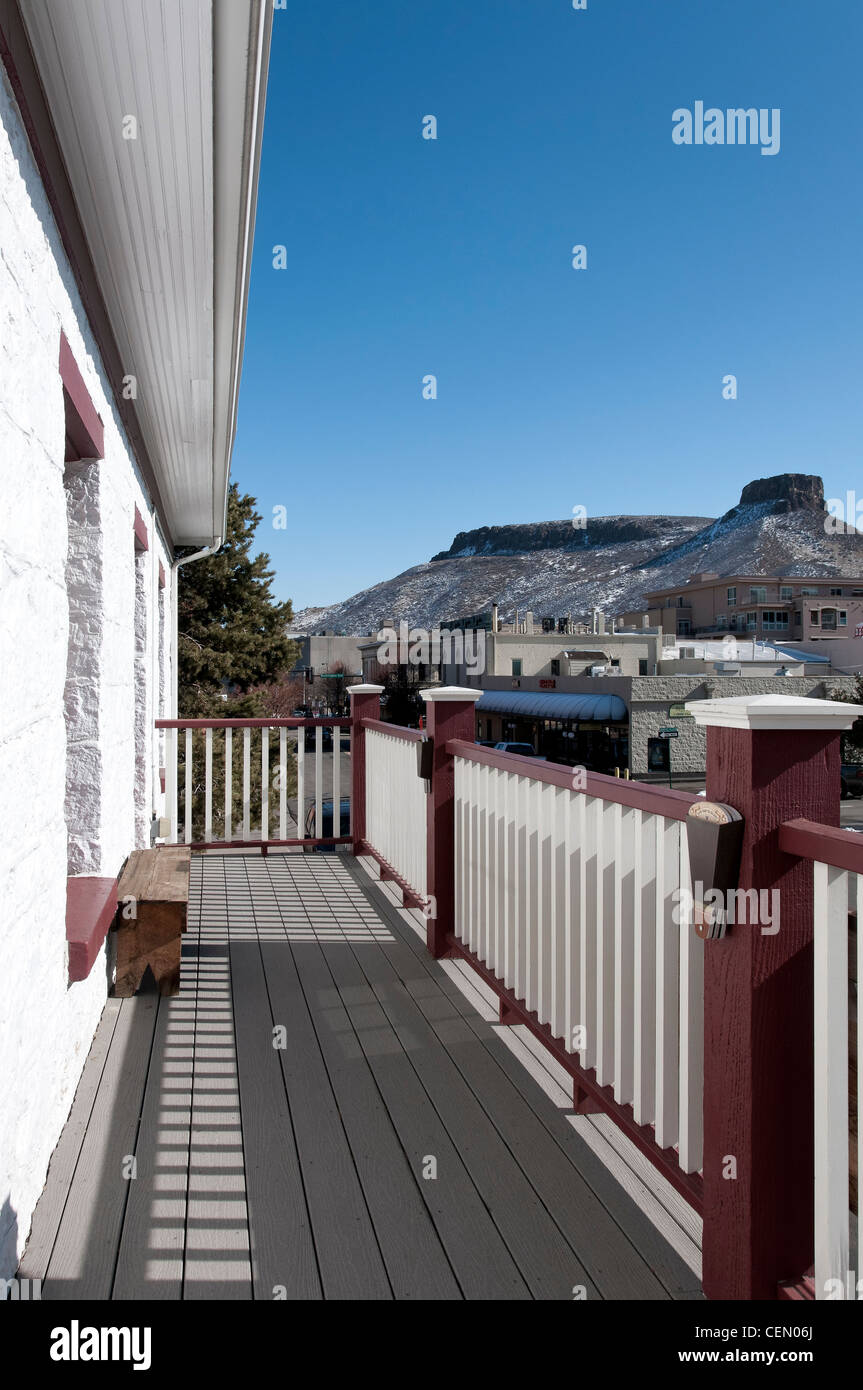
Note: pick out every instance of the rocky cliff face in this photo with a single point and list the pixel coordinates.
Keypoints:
(790, 492)
(555, 569)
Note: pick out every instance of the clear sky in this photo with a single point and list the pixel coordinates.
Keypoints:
(557, 387)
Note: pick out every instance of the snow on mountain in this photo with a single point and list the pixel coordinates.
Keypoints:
(554, 569)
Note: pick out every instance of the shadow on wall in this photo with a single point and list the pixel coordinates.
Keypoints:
(8, 1240)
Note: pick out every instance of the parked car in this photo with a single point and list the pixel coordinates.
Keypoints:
(485, 743)
(345, 738)
(326, 832)
(851, 780)
(524, 750)
(312, 737)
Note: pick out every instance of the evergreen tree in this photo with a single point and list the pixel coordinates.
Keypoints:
(231, 648)
(231, 631)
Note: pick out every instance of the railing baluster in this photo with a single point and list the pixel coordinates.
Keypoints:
(690, 1028)
(171, 750)
(247, 783)
(319, 782)
(208, 785)
(832, 1242)
(644, 969)
(627, 830)
(229, 782)
(265, 785)
(301, 781)
(337, 780)
(667, 984)
(187, 834)
(283, 783)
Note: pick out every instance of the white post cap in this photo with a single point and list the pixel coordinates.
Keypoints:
(773, 712)
(442, 693)
(365, 690)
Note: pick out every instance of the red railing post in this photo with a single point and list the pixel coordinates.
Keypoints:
(449, 714)
(772, 757)
(365, 704)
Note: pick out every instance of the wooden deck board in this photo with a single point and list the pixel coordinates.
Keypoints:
(302, 1172)
(85, 1251)
(648, 1252)
(411, 1249)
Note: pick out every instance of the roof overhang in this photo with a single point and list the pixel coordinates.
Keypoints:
(167, 208)
(598, 709)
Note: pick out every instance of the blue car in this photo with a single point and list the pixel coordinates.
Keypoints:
(326, 832)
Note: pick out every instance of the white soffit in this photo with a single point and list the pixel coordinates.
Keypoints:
(169, 215)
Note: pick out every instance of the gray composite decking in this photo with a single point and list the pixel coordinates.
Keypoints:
(390, 1145)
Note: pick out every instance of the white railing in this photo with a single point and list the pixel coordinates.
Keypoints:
(270, 753)
(572, 901)
(396, 804)
(837, 1194)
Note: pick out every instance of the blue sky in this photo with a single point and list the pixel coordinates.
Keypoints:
(556, 387)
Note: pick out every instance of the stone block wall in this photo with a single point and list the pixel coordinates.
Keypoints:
(67, 678)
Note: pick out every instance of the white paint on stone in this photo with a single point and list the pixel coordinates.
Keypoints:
(46, 1026)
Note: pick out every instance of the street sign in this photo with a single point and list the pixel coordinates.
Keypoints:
(668, 733)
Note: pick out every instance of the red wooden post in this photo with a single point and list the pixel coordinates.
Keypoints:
(773, 758)
(450, 714)
(365, 704)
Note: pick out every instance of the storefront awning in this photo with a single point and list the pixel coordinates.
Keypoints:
(530, 704)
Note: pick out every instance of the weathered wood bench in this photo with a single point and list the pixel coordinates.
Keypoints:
(153, 895)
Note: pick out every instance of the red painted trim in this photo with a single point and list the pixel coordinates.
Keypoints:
(661, 801)
(450, 723)
(142, 540)
(161, 575)
(265, 844)
(20, 65)
(758, 1088)
(252, 723)
(397, 730)
(83, 423)
(410, 895)
(827, 843)
(798, 1291)
(91, 906)
(363, 706)
(687, 1184)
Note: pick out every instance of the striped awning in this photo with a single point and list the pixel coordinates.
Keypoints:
(531, 704)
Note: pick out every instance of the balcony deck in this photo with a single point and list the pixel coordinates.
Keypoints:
(306, 1171)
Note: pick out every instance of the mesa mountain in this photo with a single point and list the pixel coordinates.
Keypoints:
(553, 569)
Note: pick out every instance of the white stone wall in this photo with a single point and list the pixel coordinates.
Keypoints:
(46, 1026)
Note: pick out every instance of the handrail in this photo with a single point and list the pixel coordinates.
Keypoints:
(662, 801)
(342, 722)
(395, 730)
(828, 844)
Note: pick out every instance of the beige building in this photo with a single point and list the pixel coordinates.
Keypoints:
(777, 608)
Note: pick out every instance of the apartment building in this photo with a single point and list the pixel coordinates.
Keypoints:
(791, 608)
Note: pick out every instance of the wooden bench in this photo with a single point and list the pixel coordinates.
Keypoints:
(153, 895)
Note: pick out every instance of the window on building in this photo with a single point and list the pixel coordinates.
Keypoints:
(615, 661)
(809, 591)
(732, 596)
(555, 666)
(773, 618)
(835, 593)
(815, 617)
(642, 666)
(786, 592)
(751, 622)
(758, 593)
(843, 618)
(516, 666)
(683, 627)
(721, 620)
